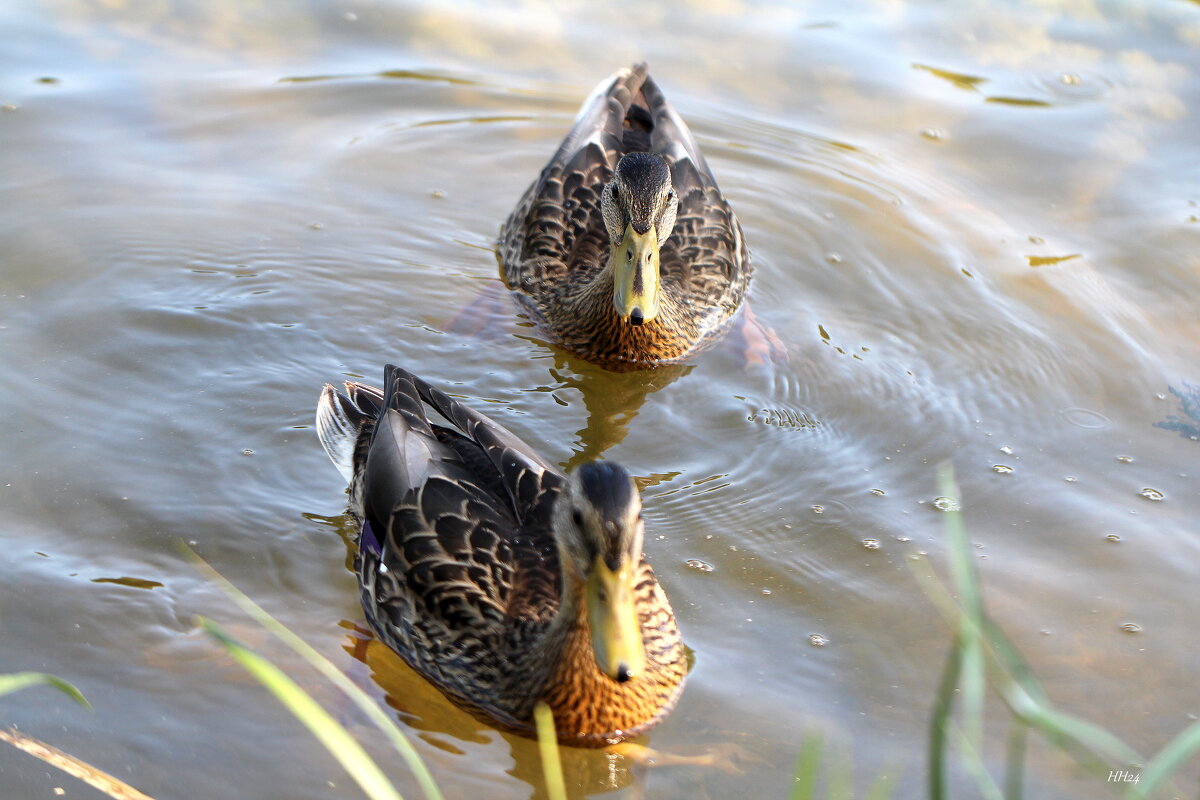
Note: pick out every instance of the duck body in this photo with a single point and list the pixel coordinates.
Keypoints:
(563, 248)
(478, 563)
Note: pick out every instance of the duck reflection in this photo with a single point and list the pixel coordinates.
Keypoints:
(611, 398)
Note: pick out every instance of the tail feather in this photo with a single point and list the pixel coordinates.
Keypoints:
(601, 117)
(342, 420)
(670, 135)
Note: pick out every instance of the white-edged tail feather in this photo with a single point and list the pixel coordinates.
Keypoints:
(340, 421)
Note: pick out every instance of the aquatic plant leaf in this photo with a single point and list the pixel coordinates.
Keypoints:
(23, 680)
(556, 787)
(340, 744)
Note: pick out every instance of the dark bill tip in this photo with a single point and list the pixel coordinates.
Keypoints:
(622, 673)
(635, 316)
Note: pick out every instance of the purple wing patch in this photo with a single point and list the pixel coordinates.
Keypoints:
(368, 539)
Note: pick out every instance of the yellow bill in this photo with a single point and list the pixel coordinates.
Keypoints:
(612, 615)
(635, 276)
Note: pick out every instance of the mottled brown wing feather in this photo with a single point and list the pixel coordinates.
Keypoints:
(466, 565)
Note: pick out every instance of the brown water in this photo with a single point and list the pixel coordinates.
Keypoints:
(976, 228)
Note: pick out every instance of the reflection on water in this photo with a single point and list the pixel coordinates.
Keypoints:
(974, 236)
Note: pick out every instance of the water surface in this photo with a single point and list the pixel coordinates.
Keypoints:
(976, 229)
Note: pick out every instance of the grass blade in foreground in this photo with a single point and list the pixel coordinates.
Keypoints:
(808, 762)
(22, 680)
(556, 787)
(1170, 758)
(368, 706)
(337, 741)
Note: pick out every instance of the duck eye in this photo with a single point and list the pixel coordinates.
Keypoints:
(576, 517)
(670, 194)
(615, 193)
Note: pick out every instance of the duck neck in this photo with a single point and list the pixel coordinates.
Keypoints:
(589, 707)
(592, 324)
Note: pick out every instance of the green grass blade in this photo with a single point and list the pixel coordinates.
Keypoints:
(972, 670)
(333, 736)
(368, 706)
(975, 767)
(939, 722)
(881, 788)
(808, 763)
(556, 787)
(839, 781)
(1014, 762)
(23, 680)
(1177, 751)
(962, 566)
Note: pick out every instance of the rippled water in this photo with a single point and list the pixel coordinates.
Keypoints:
(976, 229)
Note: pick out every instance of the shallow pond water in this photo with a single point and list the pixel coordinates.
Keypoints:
(976, 228)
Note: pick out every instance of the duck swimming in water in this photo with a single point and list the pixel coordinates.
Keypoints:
(498, 578)
(624, 250)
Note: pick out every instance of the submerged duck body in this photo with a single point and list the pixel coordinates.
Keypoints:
(499, 579)
(624, 250)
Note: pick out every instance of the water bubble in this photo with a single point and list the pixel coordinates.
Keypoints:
(903, 538)
(1003, 470)
(818, 639)
(1152, 494)
(1113, 537)
(1006, 450)
(878, 492)
(437, 194)
(934, 134)
(1070, 478)
(1131, 627)
(1124, 459)
(1085, 418)
(946, 504)
(871, 544)
(1036, 240)
(818, 509)
(247, 452)
(834, 258)
(766, 591)
(1070, 79)
(697, 564)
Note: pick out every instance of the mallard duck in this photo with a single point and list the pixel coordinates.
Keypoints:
(498, 578)
(624, 249)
